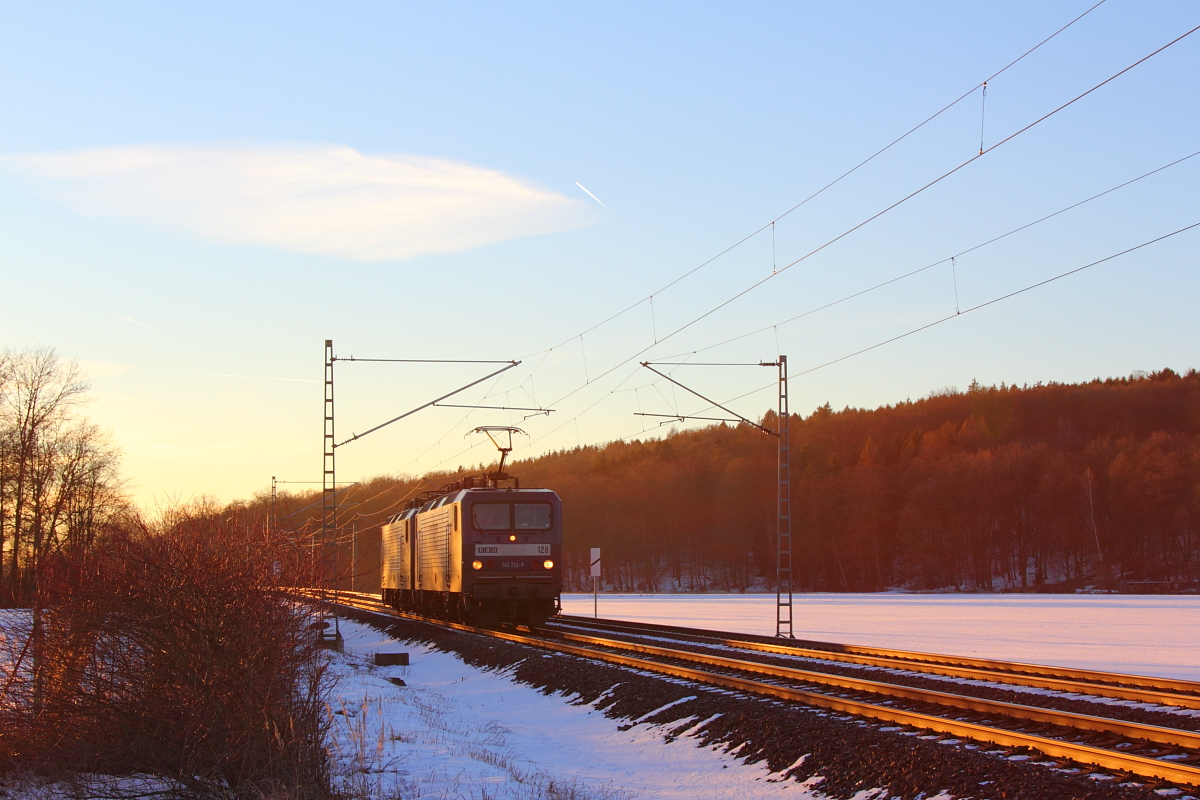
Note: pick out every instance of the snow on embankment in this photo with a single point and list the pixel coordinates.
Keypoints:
(457, 730)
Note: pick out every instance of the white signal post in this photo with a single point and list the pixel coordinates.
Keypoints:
(595, 582)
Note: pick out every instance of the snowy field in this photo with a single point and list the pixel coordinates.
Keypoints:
(1144, 635)
(455, 731)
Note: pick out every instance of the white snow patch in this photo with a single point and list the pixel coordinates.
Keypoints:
(647, 716)
(109, 787)
(458, 731)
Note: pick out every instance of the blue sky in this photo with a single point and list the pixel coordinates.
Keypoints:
(193, 199)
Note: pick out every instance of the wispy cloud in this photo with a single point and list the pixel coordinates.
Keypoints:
(589, 194)
(135, 322)
(255, 377)
(324, 199)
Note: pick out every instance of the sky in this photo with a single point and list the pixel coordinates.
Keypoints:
(193, 199)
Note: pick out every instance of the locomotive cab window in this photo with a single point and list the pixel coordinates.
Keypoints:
(491, 517)
(532, 516)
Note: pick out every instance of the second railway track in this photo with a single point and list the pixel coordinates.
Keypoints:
(1136, 688)
(1152, 751)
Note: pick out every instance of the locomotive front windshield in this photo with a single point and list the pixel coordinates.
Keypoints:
(502, 516)
(532, 516)
(491, 517)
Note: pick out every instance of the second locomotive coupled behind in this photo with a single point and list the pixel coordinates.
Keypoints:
(477, 552)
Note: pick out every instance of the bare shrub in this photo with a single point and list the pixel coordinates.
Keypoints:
(173, 653)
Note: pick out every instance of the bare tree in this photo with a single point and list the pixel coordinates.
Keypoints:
(58, 473)
(5, 382)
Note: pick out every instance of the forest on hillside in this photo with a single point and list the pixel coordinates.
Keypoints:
(1045, 487)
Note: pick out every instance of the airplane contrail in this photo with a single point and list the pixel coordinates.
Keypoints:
(144, 325)
(597, 199)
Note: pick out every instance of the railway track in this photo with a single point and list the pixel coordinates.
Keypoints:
(1093, 741)
(1136, 688)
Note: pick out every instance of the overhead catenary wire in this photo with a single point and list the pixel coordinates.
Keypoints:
(918, 329)
(889, 208)
(588, 380)
(956, 315)
(995, 300)
(927, 326)
(950, 258)
(836, 180)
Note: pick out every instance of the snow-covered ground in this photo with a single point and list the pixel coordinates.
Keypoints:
(1144, 635)
(459, 732)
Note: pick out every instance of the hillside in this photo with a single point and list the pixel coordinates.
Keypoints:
(1040, 487)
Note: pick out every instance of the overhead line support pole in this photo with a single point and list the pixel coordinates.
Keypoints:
(327, 563)
(783, 506)
(783, 538)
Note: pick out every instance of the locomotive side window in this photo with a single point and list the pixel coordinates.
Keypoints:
(491, 517)
(532, 516)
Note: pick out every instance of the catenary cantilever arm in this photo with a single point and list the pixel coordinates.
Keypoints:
(762, 428)
(427, 405)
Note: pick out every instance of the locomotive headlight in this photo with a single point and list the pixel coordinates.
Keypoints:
(476, 565)
(512, 537)
(548, 564)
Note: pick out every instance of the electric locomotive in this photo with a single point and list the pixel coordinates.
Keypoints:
(477, 551)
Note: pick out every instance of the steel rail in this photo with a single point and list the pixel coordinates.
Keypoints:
(1056, 748)
(1185, 694)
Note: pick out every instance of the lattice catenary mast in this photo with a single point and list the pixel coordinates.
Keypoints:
(783, 516)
